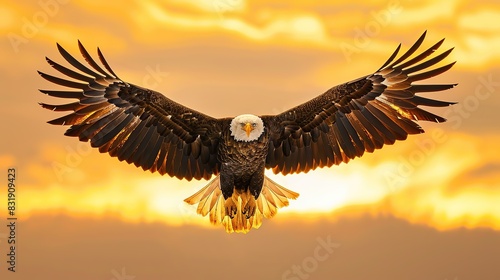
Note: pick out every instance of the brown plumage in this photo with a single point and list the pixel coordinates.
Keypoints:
(146, 128)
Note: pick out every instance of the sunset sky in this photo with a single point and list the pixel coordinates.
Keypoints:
(425, 208)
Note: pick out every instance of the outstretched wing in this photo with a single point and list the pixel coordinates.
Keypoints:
(135, 124)
(358, 116)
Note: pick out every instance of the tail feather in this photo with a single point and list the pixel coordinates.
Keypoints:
(211, 201)
(207, 197)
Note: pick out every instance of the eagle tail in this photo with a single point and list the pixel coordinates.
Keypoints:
(211, 202)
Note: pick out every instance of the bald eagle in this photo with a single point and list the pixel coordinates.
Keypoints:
(143, 127)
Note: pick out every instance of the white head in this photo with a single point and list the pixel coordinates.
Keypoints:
(246, 127)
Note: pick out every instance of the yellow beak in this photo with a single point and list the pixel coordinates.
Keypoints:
(248, 128)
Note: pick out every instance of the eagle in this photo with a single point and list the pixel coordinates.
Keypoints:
(146, 128)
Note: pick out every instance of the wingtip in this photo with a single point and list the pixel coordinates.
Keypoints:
(422, 37)
(80, 46)
(43, 75)
(391, 58)
(61, 50)
(44, 91)
(55, 122)
(105, 63)
(99, 52)
(47, 106)
(49, 61)
(59, 47)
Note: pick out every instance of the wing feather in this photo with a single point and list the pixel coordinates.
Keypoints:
(408, 53)
(365, 138)
(142, 142)
(66, 107)
(111, 129)
(358, 116)
(134, 124)
(356, 139)
(422, 55)
(91, 61)
(160, 162)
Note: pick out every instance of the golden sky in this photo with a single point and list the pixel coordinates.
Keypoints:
(228, 57)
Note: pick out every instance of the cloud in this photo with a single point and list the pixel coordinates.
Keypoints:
(293, 26)
(438, 191)
(477, 20)
(315, 26)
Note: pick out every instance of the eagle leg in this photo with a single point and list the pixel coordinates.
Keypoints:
(249, 207)
(230, 206)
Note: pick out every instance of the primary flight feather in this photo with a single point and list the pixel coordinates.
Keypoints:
(143, 127)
